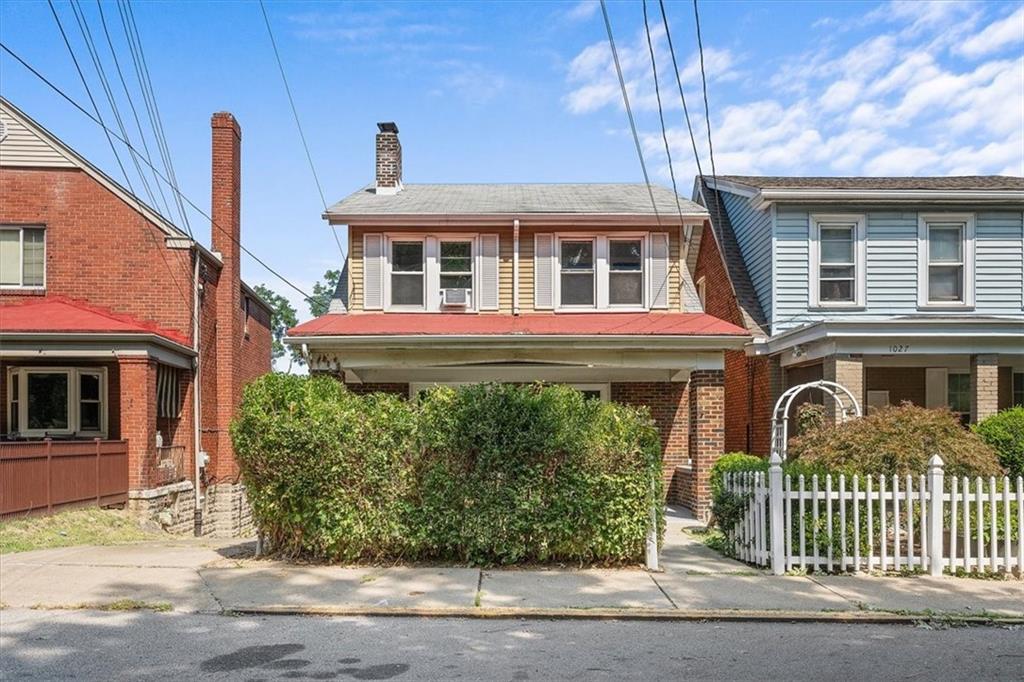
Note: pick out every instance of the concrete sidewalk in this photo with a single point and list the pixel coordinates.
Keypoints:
(220, 576)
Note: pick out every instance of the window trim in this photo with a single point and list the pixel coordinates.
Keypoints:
(602, 270)
(643, 271)
(924, 221)
(432, 269)
(74, 403)
(21, 261)
(858, 222)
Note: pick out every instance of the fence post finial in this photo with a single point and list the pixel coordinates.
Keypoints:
(936, 488)
(775, 501)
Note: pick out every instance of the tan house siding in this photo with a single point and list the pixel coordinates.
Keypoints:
(505, 265)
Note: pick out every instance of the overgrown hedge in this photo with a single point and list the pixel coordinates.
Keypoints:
(1004, 431)
(484, 474)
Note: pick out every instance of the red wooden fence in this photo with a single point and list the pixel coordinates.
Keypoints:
(43, 476)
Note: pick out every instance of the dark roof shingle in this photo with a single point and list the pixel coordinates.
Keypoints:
(952, 182)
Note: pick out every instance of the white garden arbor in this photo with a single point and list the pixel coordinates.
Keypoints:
(844, 399)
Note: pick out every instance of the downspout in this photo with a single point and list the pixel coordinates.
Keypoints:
(196, 390)
(515, 266)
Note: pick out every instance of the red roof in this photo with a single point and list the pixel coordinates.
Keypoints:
(553, 324)
(58, 315)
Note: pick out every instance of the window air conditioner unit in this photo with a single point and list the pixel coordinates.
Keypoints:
(455, 298)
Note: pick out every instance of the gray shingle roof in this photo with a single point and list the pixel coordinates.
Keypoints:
(962, 182)
(491, 199)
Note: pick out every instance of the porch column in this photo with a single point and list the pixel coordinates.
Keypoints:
(138, 417)
(984, 386)
(707, 433)
(847, 371)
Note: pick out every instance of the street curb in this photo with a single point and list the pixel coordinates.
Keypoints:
(637, 614)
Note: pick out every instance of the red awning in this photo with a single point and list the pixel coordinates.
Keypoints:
(58, 315)
(557, 324)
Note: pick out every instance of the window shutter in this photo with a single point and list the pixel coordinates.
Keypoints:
(659, 270)
(488, 272)
(168, 392)
(544, 271)
(373, 271)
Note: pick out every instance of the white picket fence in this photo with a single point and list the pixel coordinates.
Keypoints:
(929, 523)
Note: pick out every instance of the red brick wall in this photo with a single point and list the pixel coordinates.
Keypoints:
(667, 402)
(748, 380)
(706, 404)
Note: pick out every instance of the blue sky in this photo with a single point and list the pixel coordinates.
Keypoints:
(525, 92)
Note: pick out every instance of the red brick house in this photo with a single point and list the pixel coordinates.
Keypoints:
(120, 333)
(588, 285)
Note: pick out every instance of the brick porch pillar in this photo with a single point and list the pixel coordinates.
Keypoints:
(984, 386)
(847, 371)
(138, 417)
(707, 433)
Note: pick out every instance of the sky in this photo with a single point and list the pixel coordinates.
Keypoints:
(526, 92)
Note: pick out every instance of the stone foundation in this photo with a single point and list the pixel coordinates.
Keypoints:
(226, 511)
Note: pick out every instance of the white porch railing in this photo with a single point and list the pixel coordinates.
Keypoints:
(928, 523)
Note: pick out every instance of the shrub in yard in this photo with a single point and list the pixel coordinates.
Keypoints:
(485, 474)
(1005, 432)
(898, 440)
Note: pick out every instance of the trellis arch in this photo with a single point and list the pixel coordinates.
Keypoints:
(780, 415)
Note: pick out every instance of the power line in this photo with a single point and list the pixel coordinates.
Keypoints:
(629, 111)
(131, 103)
(679, 83)
(156, 171)
(302, 135)
(661, 113)
(707, 109)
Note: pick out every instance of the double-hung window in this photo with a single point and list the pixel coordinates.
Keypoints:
(576, 280)
(407, 274)
(53, 401)
(946, 260)
(625, 272)
(959, 395)
(1018, 389)
(456, 265)
(837, 255)
(22, 257)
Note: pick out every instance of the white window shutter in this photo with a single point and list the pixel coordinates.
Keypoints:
(544, 271)
(373, 272)
(488, 272)
(659, 270)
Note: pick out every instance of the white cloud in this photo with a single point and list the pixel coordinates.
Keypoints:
(905, 101)
(582, 10)
(995, 36)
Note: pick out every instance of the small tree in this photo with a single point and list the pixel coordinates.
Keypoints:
(1005, 432)
(282, 318)
(323, 292)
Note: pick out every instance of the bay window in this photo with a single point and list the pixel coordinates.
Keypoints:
(22, 257)
(577, 272)
(837, 258)
(946, 260)
(45, 401)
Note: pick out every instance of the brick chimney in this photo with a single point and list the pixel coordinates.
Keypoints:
(226, 187)
(389, 159)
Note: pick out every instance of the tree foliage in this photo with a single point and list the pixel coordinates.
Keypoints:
(1005, 432)
(282, 318)
(323, 292)
(485, 474)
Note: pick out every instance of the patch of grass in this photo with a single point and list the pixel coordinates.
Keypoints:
(119, 605)
(716, 540)
(66, 529)
(478, 598)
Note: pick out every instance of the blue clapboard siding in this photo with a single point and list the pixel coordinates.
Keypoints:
(753, 230)
(892, 264)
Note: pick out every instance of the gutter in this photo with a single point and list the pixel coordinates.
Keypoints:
(709, 342)
(766, 197)
(153, 338)
(502, 219)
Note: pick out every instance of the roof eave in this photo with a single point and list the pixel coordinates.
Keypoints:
(766, 197)
(672, 219)
(710, 342)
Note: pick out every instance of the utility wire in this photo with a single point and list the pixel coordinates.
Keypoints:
(95, 119)
(661, 113)
(707, 110)
(131, 104)
(629, 111)
(302, 135)
(146, 83)
(679, 83)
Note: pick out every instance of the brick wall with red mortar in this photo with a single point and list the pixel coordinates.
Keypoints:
(751, 383)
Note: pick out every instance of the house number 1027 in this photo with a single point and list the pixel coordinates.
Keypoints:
(899, 348)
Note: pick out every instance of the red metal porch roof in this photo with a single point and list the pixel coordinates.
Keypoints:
(59, 315)
(539, 324)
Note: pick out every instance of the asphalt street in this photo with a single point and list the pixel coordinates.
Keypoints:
(90, 645)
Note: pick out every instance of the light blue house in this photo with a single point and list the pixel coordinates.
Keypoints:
(901, 289)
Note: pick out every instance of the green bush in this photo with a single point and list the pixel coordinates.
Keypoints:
(899, 440)
(1005, 432)
(493, 473)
